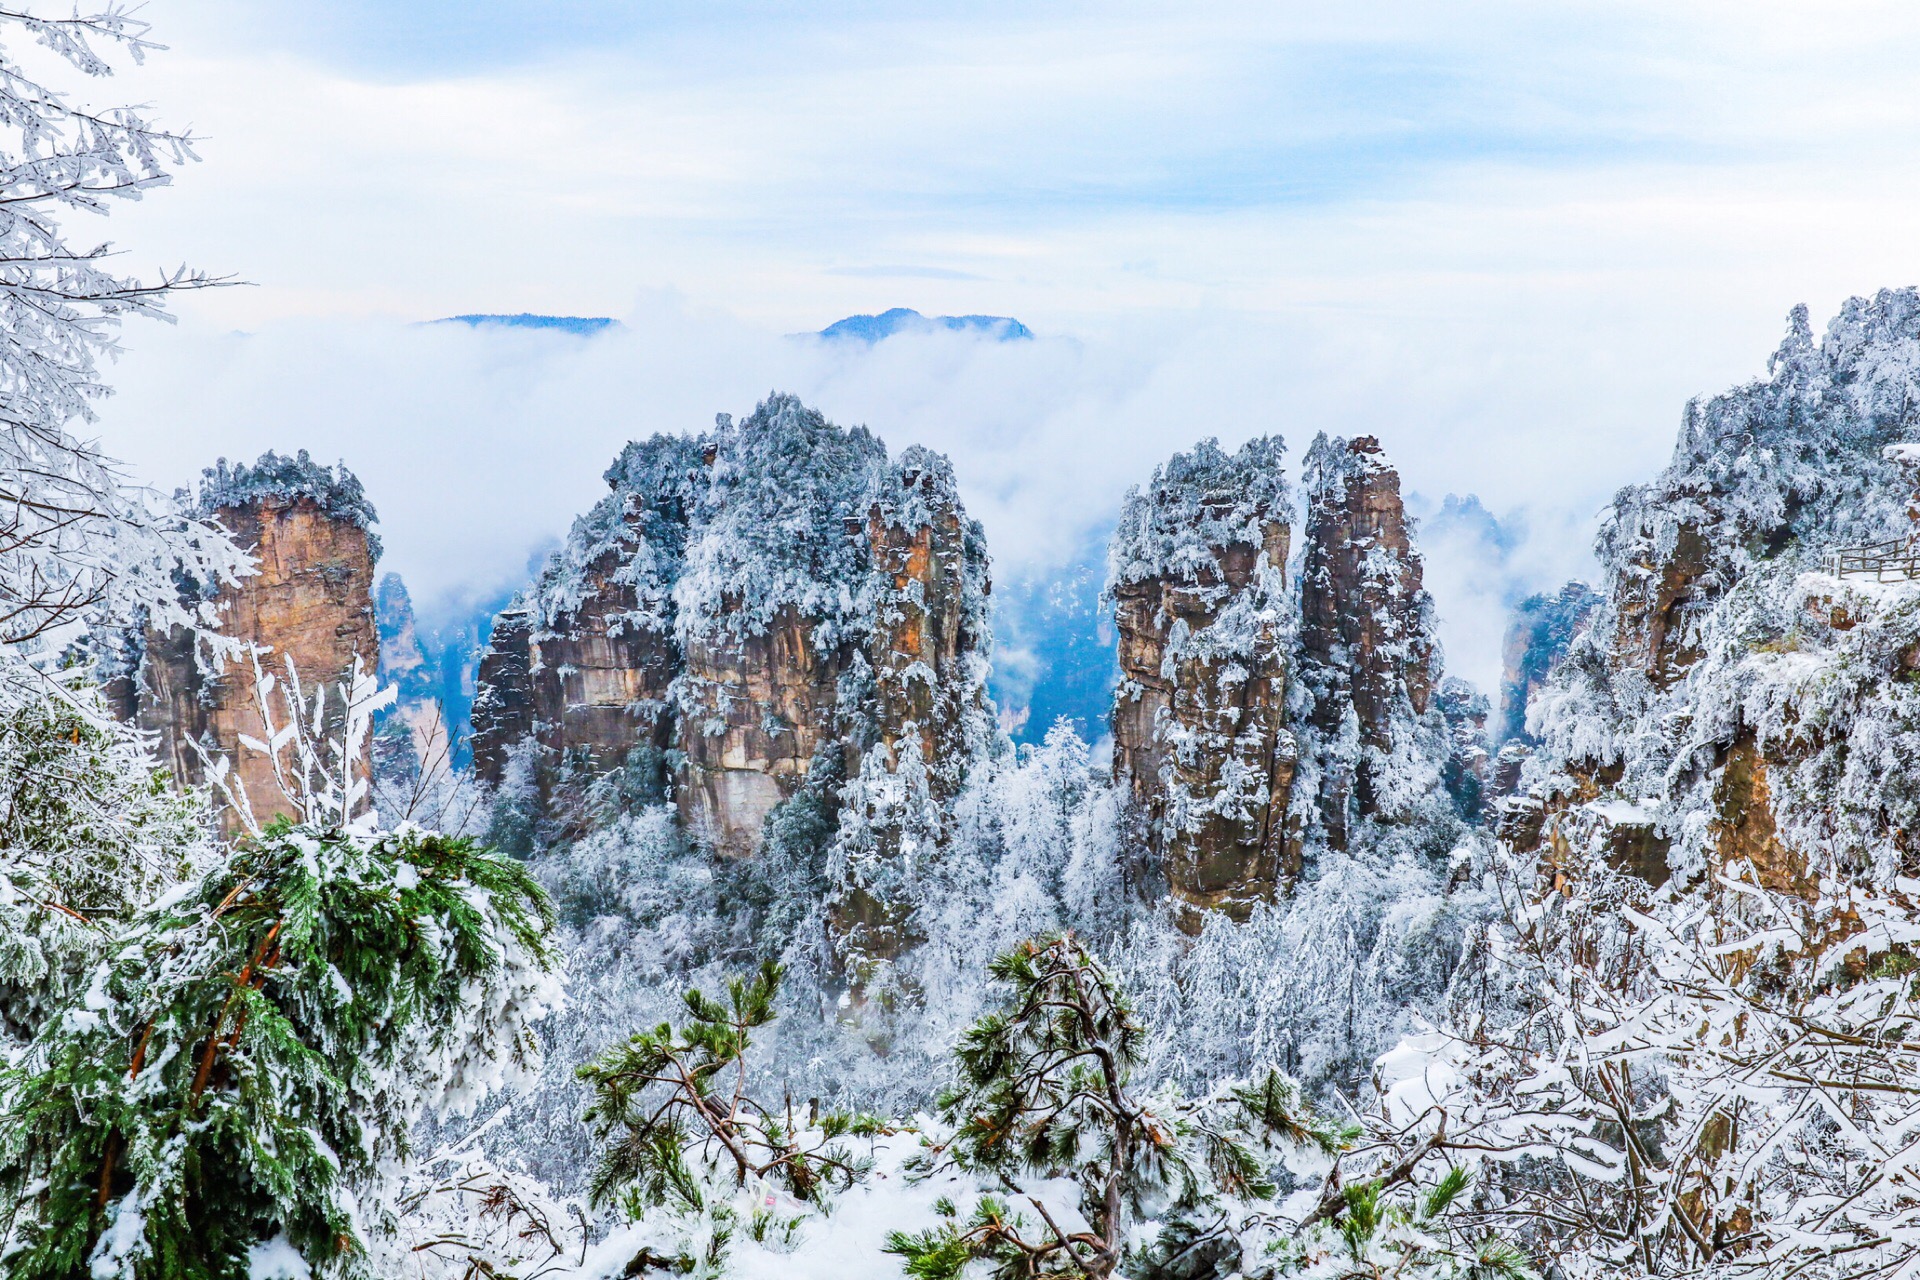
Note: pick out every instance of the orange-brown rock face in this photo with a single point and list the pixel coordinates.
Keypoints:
(755, 711)
(1745, 828)
(1360, 589)
(1657, 600)
(926, 654)
(749, 605)
(1199, 720)
(309, 606)
(600, 677)
(1251, 733)
(1366, 648)
(583, 671)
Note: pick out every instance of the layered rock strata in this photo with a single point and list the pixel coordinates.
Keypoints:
(769, 604)
(307, 611)
(1367, 652)
(1736, 707)
(1197, 573)
(1257, 720)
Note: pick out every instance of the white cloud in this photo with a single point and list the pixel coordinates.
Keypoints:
(478, 445)
(1509, 240)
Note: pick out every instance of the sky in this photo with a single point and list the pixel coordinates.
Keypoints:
(1510, 240)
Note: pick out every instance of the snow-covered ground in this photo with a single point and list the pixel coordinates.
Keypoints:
(847, 1243)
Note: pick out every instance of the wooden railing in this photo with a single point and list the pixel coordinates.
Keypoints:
(1895, 560)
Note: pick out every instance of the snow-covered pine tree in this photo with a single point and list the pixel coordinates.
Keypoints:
(1044, 1088)
(235, 1079)
(690, 1139)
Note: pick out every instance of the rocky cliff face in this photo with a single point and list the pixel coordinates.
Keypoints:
(771, 607)
(1367, 653)
(309, 607)
(1256, 724)
(1734, 706)
(1197, 573)
(1539, 633)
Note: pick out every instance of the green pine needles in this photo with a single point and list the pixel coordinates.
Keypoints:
(88, 830)
(237, 1072)
(686, 1134)
(1044, 1089)
(1380, 1227)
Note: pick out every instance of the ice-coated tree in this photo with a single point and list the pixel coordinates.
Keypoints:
(1719, 1084)
(89, 835)
(686, 1135)
(237, 1077)
(465, 1216)
(77, 540)
(89, 832)
(1044, 1088)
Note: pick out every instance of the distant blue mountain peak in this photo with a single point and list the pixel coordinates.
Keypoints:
(906, 320)
(585, 326)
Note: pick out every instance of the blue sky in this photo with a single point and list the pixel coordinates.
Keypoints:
(1075, 160)
(1130, 107)
(1510, 239)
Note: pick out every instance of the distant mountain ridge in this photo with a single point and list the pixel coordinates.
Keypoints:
(872, 329)
(585, 326)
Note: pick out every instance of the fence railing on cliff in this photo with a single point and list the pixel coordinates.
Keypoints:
(1895, 560)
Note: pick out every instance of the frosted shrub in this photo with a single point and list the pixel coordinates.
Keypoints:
(239, 1071)
(90, 831)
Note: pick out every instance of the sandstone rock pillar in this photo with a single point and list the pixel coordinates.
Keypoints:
(308, 607)
(1198, 580)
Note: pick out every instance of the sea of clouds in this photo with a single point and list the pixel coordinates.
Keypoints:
(480, 445)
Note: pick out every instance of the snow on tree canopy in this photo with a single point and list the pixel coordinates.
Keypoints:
(1793, 463)
(1722, 636)
(642, 523)
(278, 478)
(784, 490)
(727, 529)
(1713, 851)
(1198, 501)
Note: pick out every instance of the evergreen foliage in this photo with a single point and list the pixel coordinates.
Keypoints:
(89, 830)
(1197, 502)
(1044, 1087)
(252, 1053)
(686, 1133)
(278, 478)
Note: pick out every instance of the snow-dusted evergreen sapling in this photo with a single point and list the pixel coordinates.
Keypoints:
(1371, 1229)
(238, 1075)
(1045, 1089)
(688, 1138)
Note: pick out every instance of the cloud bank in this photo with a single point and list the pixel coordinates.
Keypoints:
(480, 444)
